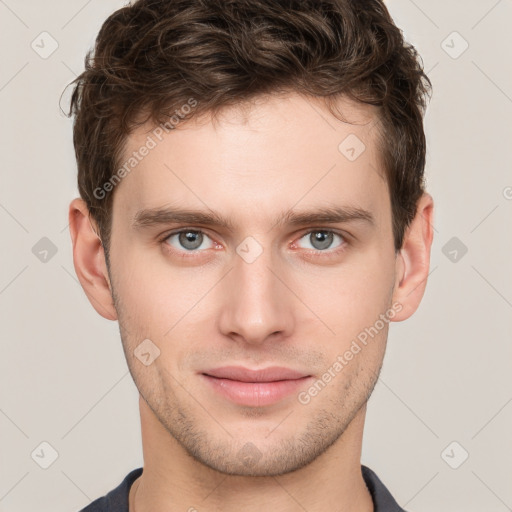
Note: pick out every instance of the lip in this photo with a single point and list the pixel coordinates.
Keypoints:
(270, 374)
(255, 387)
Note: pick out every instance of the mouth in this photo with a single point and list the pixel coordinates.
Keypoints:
(255, 388)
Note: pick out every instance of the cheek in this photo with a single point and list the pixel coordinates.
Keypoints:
(152, 294)
(162, 303)
(155, 295)
(355, 294)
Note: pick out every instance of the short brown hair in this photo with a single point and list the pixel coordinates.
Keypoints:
(151, 57)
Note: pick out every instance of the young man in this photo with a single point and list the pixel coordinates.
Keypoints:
(253, 214)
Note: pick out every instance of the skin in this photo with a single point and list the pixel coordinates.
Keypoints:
(295, 306)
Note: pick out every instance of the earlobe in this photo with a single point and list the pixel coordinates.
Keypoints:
(413, 260)
(89, 260)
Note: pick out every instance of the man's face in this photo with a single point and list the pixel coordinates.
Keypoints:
(264, 291)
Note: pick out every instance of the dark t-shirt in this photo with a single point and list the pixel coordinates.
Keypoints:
(117, 499)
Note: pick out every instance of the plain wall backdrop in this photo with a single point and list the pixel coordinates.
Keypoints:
(445, 390)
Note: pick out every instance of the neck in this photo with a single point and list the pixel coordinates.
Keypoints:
(173, 480)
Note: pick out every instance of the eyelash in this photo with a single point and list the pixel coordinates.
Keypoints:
(311, 252)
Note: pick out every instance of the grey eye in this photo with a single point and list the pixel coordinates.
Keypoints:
(321, 240)
(189, 240)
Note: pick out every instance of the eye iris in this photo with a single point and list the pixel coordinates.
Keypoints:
(190, 239)
(321, 239)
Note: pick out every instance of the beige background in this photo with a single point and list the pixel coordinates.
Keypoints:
(447, 374)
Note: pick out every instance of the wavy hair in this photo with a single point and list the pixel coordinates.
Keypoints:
(152, 56)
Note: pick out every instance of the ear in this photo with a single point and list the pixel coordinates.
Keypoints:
(413, 260)
(89, 260)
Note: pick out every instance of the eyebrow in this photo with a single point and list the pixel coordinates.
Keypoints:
(152, 217)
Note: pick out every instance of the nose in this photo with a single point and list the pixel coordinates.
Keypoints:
(256, 306)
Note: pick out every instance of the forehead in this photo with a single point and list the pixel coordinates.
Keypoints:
(257, 159)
